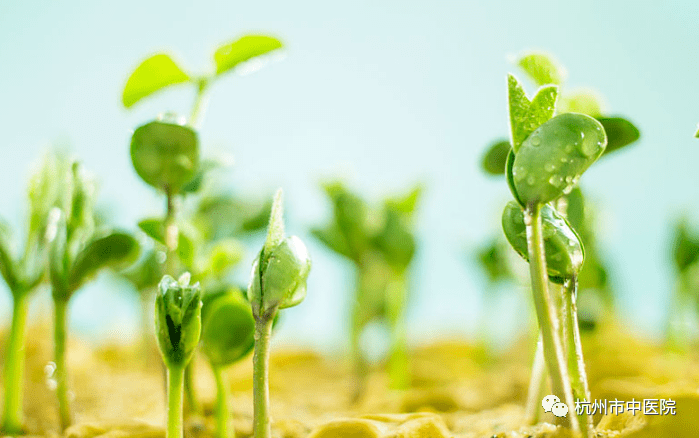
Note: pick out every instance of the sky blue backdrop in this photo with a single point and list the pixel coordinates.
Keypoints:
(387, 93)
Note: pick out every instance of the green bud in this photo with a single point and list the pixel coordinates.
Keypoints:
(228, 328)
(279, 273)
(550, 161)
(177, 319)
(564, 251)
(279, 276)
(165, 155)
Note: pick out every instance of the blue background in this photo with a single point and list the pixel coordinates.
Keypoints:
(386, 93)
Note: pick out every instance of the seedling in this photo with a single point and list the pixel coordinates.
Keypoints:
(381, 245)
(548, 156)
(228, 335)
(23, 274)
(160, 71)
(77, 252)
(177, 329)
(165, 152)
(278, 281)
(543, 70)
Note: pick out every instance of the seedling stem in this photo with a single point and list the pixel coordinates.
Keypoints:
(546, 312)
(175, 378)
(260, 363)
(14, 366)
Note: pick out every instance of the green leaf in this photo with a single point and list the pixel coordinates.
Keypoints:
(395, 241)
(526, 115)
(114, 250)
(552, 159)
(493, 260)
(495, 159)
(222, 257)
(407, 203)
(257, 220)
(685, 247)
(542, 68)
(564, 251)
(620, 132)
(146, 272)
(510, 176)
(228, 328)
(155, 229)
(582, 101)
(165, 155)
(153, 74)
(231, 54)
(334, 239)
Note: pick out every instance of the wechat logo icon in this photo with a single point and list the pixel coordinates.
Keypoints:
(553, 404)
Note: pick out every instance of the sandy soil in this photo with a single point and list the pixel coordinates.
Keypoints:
(458, 391)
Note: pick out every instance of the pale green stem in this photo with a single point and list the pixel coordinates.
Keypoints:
(175, 378)
(222, 414)
(547, 317)
(171, 234)
(190, 393)
(260, 376)
(357, 321)
(61, 373)
(14, 366)
(398, 365)
(199, 104)
(576, 364)
(537, 383)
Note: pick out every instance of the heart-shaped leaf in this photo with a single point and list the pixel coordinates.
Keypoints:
(153, 74)
(552, 159)
(542, 68)
(231, 54)
(165, 155)
(620, 132)
(527, 115)
(114, 250)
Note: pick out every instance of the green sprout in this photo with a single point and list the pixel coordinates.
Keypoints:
(165, 152)
(228, 335)
(543, 70)
(278, 281)
(23, 274)
(160, 71)
(77, 252)
(548, 156)
(177, 330)
(381, 244)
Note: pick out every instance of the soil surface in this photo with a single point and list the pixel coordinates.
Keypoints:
(458, 390)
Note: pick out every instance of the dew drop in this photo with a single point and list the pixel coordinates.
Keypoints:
(531, 180)
(550, 167)
(536, 141)
(556, 180)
